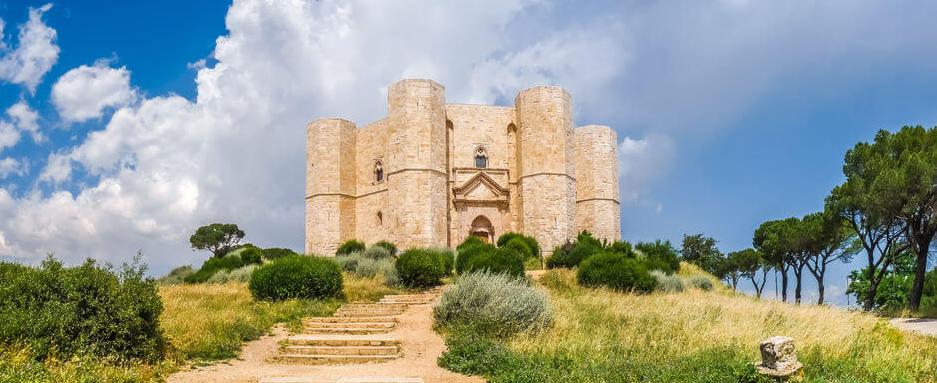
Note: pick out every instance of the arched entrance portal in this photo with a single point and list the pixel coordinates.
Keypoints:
(481, 228)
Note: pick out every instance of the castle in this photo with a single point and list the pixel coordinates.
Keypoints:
(432, 173)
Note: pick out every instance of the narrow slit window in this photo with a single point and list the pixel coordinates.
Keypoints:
(378, 172)
(481, 158)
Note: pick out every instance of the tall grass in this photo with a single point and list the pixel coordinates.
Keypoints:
(698, 336)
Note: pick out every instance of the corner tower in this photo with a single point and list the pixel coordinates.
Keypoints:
(546, 165)
(417, 177)
(330, 184)
(598, 207)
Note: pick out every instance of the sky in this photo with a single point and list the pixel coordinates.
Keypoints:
(126, 125)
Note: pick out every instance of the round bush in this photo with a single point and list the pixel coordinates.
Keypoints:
(251, 256)
(518, 246)
(497, 261)
(377, 252)
(528, 240)
(572, 258)
(420, 268)
(277, 253)
(470, 241)
(296, 277)
(350, 246)
(495, 304)
(616, 272)
(387, 245)
(701, 282)
(448, 259)
(467, 252)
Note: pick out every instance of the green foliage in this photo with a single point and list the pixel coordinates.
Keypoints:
(700, 282)
(219, 238)
(701, 250)
(667, 283)
(350, 246)
(420, 268)
(892, 292)
(251, 255)
(215, 265)
(242, 275)
(387, 245)
(494, 304)
(83, 310)
(277, 253)
(377, 252)
(469, 250)
(469, 241)
(617, 272)
(623, 248)
(576, 254)
(176, 275)
(528, 240)
(447, 257)
(518, 246)
(506, 260)
(659, 255)
(304, 277)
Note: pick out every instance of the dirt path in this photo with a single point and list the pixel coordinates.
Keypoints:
(421, 346)
(918, 325)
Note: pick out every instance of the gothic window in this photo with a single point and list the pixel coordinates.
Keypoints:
(378, 172)
(481, 158)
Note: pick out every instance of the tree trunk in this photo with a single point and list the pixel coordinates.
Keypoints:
(920, 272)
(820, 287)
(869, 302)
(798, 274)
(783, 285)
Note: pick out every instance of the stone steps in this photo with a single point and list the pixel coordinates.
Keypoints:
(332, 359)
(319, 320)
(341, 350)
(338, 349)
(346, 330)
(351, 324)
(341, 340)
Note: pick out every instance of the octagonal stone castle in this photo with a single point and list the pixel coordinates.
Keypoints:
(431, 174)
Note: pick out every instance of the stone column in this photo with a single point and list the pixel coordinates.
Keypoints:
(330, 185)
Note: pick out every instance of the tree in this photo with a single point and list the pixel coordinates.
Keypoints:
(750, 264)
(907, 166)
(868, 205)
(219, 238)
(829, 241)
(702, 251)
(730, 269)
(772, 239)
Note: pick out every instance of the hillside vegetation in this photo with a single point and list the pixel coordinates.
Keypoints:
(689, 336)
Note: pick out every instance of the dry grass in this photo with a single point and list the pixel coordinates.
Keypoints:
(668, 330)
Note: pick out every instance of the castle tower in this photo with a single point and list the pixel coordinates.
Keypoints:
(546, 165)
(417, 200)
(330, 185)
(597, 196)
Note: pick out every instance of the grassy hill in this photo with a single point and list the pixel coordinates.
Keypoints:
(691, 336)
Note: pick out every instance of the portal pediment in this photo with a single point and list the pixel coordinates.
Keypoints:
(481, 189)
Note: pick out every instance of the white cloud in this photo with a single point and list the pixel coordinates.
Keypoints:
(58, 168)
(26, 119)
(35, 53)
(9, 135)
(85, 92)
(641, 162)
(9, 166)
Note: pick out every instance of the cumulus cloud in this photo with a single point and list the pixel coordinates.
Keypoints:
(36, 51)
(26, 119)
(11, 166)
(640, 161)
(85, 92)
(9, 135)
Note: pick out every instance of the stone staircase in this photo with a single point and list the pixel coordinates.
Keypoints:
(357, 333)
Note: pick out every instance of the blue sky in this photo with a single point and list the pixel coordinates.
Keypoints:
(173, 114)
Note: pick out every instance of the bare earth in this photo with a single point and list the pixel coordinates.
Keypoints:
(421, 346)
(918, 325)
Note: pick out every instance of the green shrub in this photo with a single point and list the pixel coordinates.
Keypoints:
(621, 247)
(660, 256)
(469, 251)
(528, 240)
(505, 260)
(616, 272)
(214, 265)
(177, 275)
(667, 283)
(447, 257)
(348, 262)
(376, 252)
(494, 304)
(277, 253)
(701, 282)
(520, 247)
(420, 268)
(251, 256)
(305, 277)
(350, 246)
(574, 256)
(387, 245)
(88, 309)
(470, 241)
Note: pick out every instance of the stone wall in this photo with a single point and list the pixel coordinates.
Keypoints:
(330, 184)
(597, 197)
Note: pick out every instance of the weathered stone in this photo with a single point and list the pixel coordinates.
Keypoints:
(779, 358)
(542, 177)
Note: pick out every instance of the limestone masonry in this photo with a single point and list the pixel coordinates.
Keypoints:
(432, 173)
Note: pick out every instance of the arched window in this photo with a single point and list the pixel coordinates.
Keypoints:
(378, 172)
(481, 158)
